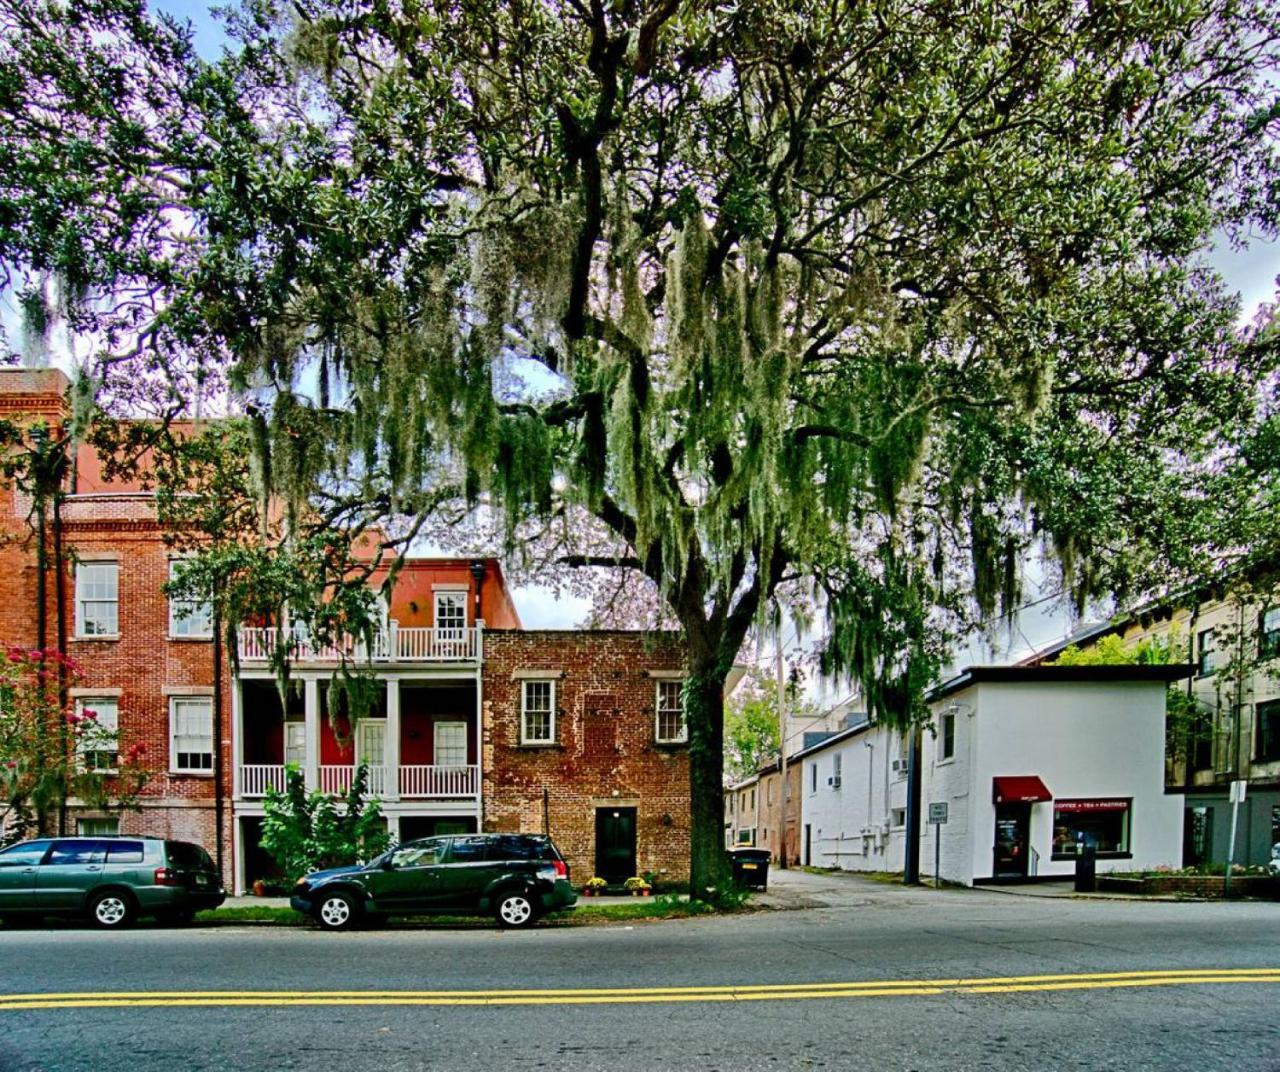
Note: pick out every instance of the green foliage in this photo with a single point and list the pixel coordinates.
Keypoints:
(306, 832)
(873, 303)
(1112, 650)
(43, 745)
(751, 725)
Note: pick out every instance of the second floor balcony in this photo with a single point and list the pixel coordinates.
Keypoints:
(418, 645)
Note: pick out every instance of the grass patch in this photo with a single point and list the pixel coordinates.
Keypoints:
(668, 906)
(252, 914)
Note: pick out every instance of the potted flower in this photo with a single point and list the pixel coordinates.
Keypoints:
(259, 888)
(638, 886)
(594, 887)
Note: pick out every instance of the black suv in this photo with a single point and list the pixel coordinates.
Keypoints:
(111, 880)
(516, 877)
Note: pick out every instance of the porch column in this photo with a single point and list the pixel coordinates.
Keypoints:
(479, 802)
(311, 718)
(392, 755)
(237, 739)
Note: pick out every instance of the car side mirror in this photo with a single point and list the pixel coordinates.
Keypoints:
(387, 864)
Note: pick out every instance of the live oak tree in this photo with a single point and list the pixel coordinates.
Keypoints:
(871, 299)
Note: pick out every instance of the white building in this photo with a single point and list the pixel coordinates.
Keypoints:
(1028, 760)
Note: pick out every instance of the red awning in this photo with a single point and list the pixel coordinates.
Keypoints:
(1019, 789)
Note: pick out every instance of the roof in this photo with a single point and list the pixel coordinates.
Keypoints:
(1022, 674)
(975, 675)
(1083, 635)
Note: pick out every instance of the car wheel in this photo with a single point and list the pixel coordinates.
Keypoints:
(337, 912)
(111, 910)
(515, 909)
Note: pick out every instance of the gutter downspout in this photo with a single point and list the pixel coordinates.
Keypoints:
(219, 775)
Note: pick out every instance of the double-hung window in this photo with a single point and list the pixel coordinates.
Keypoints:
(1267, 716)
(191, 734)
(97, 599)
(947, 737)
(192, 618)
(670, 727)
(1207, 654)
(97, 726)
(537, 712)
(451, 613)
(1269, 633)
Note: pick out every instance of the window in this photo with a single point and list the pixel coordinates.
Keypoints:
(469, 850)
(768, 789)
(191, 734)
(451, 612)
(97, 827)
(189, 617)
(538, 712)
(898, 817)
(947, 737)
(418, 853)
(76, 853)
(1104, 823)
(97, 599)
(813, 777)
(836, 765)
(295, 744)
(1269, 633)
(670, 727)
(1267, 716)
(99, 722)
(124, 852)
(752, 805)
(746, 836)
(27, 855)
(1205, 664)
(451, 744)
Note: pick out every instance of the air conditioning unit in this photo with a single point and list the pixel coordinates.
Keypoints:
(899, 765)
(834, 782)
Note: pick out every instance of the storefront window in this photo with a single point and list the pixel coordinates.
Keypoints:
(1105, 823)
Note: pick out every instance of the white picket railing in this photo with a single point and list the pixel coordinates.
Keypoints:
(428, 781)
(416, 781)
(257, 778)
(336, 780)
(396, 645)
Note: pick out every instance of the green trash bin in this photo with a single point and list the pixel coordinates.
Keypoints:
(751, 868)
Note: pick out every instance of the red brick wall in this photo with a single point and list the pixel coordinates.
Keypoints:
(604, 755)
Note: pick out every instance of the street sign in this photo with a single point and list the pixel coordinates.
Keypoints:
(938, 813)
(1237, 791)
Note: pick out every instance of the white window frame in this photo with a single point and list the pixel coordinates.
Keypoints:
(90, 827)
(455, 600)
(659, 710)
(526, 711)
(176, 702)
(184, 627)
(284, 742)
(435, 742)
(83, 602)
(96, 705)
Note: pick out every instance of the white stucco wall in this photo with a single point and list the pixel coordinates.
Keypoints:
(1082, 739)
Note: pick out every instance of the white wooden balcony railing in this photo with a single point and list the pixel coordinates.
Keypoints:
(394, 645)
(414, 781)
(427, 781)
(336, 780)
(257, 778)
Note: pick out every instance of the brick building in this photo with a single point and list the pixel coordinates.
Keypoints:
(481, 725)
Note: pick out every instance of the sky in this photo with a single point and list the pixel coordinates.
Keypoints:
(1251, 271)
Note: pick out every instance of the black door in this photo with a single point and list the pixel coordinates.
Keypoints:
(808, 845)
(615, 844)
(1012, 824)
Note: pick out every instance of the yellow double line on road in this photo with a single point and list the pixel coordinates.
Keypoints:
(874, 988)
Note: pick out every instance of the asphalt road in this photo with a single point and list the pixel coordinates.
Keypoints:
(879, 978)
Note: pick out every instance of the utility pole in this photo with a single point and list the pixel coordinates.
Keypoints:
(782, 737)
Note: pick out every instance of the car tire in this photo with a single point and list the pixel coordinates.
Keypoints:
(111, 910)
(515, 908)
(338, 911)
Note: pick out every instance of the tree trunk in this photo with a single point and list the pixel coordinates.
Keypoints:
(709, 870)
